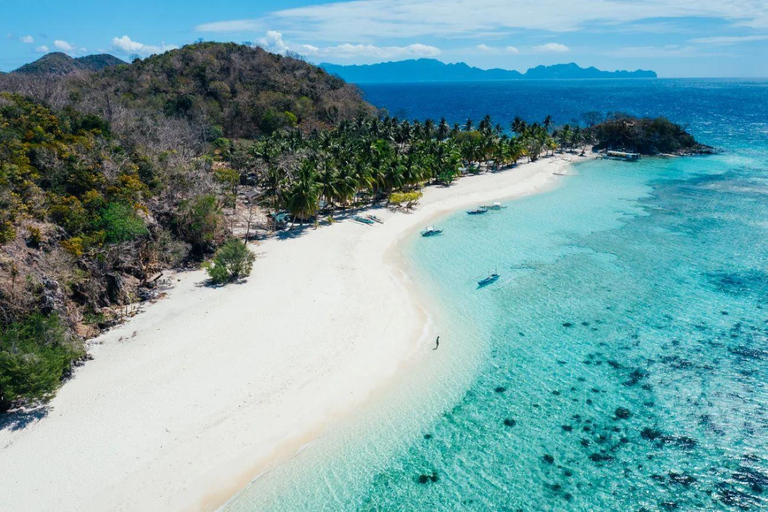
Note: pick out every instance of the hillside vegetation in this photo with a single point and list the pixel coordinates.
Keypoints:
(230, 90)
(58, 63)
(647, 136)
(108, 177)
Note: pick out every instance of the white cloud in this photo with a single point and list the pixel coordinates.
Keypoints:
(273, 42)
(727, 40)
(64, 46)
(27, 39)
(366, 20)
(126, 45)
(552, 48)
(484, 48)
(231, 26)
(42, 49)
(645, 52)
(368, 51)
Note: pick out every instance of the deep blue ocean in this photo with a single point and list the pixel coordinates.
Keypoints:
(621, 361)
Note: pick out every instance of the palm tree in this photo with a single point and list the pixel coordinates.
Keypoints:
(393, 176)
(519, 126)
(272, 182)
(485, 125)
(516, 149)
(327, 179)
(547, 122)
(304, 192)
(346, 185)
(429, 129)
(500, 154)
(443, 130)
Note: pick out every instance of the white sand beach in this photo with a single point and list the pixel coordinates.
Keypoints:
(185, 403)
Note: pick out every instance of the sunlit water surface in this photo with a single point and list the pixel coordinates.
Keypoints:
(621, 361)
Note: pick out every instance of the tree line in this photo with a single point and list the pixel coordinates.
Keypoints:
(371, 158)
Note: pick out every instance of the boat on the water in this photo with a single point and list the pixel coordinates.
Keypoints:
(492, 278)
(431, 231)
(495, 206)
(477, 211)
(621, 155)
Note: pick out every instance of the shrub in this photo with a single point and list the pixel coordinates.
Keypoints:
(34, 356)
(232, 261)
(68, 212)
(120, 223)
(199, 222)
(7, 231)
(409, 198)
(74, 246)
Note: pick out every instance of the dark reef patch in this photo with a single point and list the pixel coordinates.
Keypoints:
(425, 479)
(681, 479)
(623, 413)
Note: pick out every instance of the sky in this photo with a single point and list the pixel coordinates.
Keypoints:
(675, 38)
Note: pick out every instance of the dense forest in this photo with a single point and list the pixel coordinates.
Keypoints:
(108, 177)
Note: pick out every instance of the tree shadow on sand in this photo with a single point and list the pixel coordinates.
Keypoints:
(21, 418)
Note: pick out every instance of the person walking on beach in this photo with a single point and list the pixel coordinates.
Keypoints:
(437, 343)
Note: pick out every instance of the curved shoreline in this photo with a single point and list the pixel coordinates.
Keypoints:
(185, 404)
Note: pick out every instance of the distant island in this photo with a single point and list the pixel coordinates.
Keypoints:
(432, 70)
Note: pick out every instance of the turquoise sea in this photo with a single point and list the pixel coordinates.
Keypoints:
(621, 361)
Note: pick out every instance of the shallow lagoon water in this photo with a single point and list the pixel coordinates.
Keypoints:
(618, 364)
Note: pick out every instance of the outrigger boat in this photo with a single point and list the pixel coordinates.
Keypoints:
(494, 206)
(375, 219)
(492, 278)
(477, 211)
(363, 220)
(431, 231)
(622, 155)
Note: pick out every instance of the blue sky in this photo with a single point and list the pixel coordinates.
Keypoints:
(676, 38)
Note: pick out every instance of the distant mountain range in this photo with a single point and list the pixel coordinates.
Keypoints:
(431, 70)
(58, 63)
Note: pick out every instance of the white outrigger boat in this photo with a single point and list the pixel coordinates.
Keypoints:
(495, 206)
(431, 231)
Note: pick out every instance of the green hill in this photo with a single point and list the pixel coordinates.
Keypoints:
(234, 90)
(58, 63)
